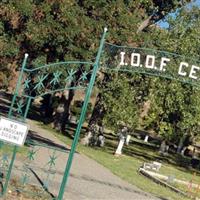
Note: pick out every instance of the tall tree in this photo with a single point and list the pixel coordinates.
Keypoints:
(174, 111)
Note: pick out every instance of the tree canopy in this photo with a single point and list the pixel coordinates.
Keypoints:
(51, 30)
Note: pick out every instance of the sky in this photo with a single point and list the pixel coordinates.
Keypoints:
(164, 24)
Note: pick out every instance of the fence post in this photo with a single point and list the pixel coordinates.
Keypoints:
(10, 116)
(18, 85)
(82, 117)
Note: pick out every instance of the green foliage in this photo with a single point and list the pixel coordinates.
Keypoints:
(119, 103)
(76, 109)
(55, 30)
(8, 46)
(24, 7)
(39, 61)
(175, 110)
(182, 35)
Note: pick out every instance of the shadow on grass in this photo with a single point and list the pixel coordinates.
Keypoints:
(35, 138)
(5, 95)
(149, 153)
(4, 110)
(133, 152)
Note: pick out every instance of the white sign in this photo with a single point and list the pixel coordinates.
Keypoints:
(13, 131)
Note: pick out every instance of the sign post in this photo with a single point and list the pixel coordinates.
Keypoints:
(10, 116)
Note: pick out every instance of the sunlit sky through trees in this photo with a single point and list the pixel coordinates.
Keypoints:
(164, 24)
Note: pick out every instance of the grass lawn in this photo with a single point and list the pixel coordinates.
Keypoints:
(7, 149)
(127, 165)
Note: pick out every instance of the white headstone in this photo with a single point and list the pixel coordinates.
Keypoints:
(120, 146)
(128, 137)
(146, 138)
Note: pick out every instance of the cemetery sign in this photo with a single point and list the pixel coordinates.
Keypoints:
(184, 69)
(152, 62)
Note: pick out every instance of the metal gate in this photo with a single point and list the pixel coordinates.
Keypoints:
(34, 83)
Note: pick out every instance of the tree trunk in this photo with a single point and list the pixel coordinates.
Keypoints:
(181, 144)
(62, 112)
(66, 113)
(47, 109)
(67, 98)
(144, 24)
(96, 119)
(59, 113)
(98, 111)
(150, 21)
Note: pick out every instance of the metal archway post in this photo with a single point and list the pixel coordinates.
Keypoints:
(82, 117)
(10, 115)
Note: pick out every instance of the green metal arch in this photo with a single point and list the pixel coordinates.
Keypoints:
(54, 91)
(149, 49)
(55, 77)
(111, 60)
(57, 64)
